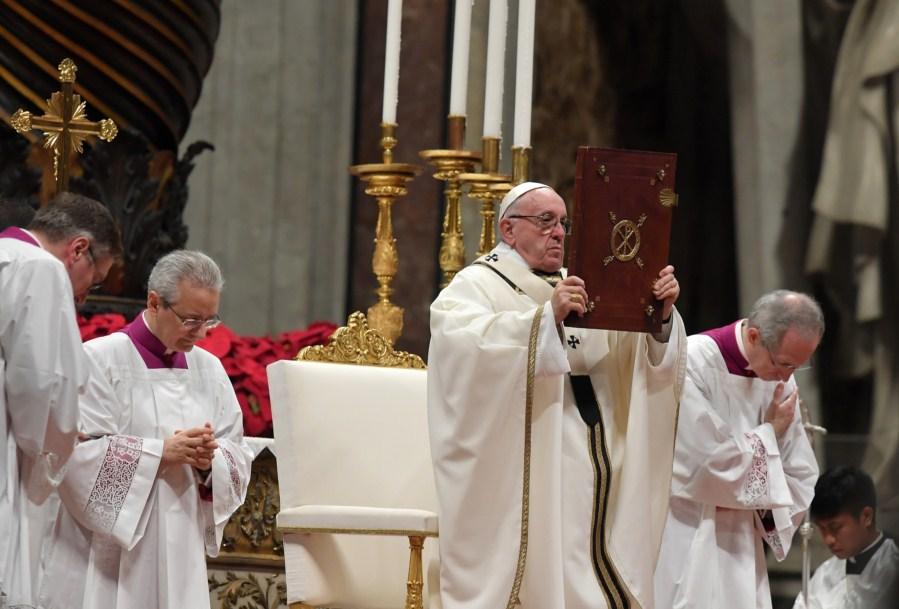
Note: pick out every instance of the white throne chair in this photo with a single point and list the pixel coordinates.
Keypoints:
(356, 482)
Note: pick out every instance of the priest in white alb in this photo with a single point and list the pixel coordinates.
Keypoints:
(69, 246)
(552, 446)
(163, 462)
(744, 471)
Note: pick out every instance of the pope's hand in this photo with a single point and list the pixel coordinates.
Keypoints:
(667, 289)
(780, 411)
(569, 296)
(193, 447)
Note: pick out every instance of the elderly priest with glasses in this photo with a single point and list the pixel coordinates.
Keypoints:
(162, 463)
(552, 445)
(744, 471)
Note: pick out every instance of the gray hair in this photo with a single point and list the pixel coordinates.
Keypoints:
(192, 266)
(781, 310)
(69, 215)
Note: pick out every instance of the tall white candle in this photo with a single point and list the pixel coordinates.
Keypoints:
(461, 44)
(496, 57)
(524, 73)
(392, 61)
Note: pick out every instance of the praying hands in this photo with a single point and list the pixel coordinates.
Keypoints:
(195, 447)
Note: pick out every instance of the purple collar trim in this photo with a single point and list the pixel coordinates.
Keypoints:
(726, 339)
(151, 349)
(14, 232)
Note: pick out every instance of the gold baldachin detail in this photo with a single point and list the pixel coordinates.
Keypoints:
(67, 69)
(357, 343)
(668, 198)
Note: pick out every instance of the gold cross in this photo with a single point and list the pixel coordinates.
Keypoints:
(65, 124)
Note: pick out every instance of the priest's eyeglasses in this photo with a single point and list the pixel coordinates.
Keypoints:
(90, 254)
(546, 222)
(194, 323)
(782, 366)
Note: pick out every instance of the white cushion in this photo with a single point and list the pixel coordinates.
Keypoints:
(359, 520)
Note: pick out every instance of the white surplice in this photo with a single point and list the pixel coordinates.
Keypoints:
(875, 587)
(42, 369)
(729, 469)
(597, 494)
(134, 534)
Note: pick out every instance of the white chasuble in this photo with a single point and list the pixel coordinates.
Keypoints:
(135, 533)
(735, 485)
(538, 505)
(872, 585)
(42, 370)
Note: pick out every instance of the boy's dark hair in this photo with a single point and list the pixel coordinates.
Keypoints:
(843, 489)
(70, 215)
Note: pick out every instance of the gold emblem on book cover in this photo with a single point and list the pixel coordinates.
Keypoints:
(625, 240)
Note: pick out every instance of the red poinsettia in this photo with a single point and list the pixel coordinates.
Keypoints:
(243, 357)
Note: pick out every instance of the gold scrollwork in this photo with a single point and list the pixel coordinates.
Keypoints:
(357, 343)
(250, 536)
(249, 591)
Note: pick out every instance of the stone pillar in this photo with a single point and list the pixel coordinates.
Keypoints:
(766, 72)
(271, 203)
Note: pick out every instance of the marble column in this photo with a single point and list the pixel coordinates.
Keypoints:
(766, 67)
(271, 204)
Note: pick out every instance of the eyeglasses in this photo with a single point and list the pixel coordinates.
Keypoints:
(788, 367)
(193, 323)
(93, 259)
(546, 222)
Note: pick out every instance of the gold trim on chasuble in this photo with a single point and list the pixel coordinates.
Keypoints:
(514, 601)
(606, 574)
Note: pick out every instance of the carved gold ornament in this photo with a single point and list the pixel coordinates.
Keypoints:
(356, 343)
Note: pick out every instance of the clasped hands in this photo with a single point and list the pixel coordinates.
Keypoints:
(570, 295)
(195, 447)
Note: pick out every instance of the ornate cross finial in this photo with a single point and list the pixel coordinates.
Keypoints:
(65, 124)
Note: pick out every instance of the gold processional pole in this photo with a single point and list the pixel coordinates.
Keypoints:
(806, 529)
(481, 189)
(449, 163)
(385, 182)
(64, 124)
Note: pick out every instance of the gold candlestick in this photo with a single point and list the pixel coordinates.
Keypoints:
(480, 190)
(385, 182)
(521, 164)
(449, 163)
